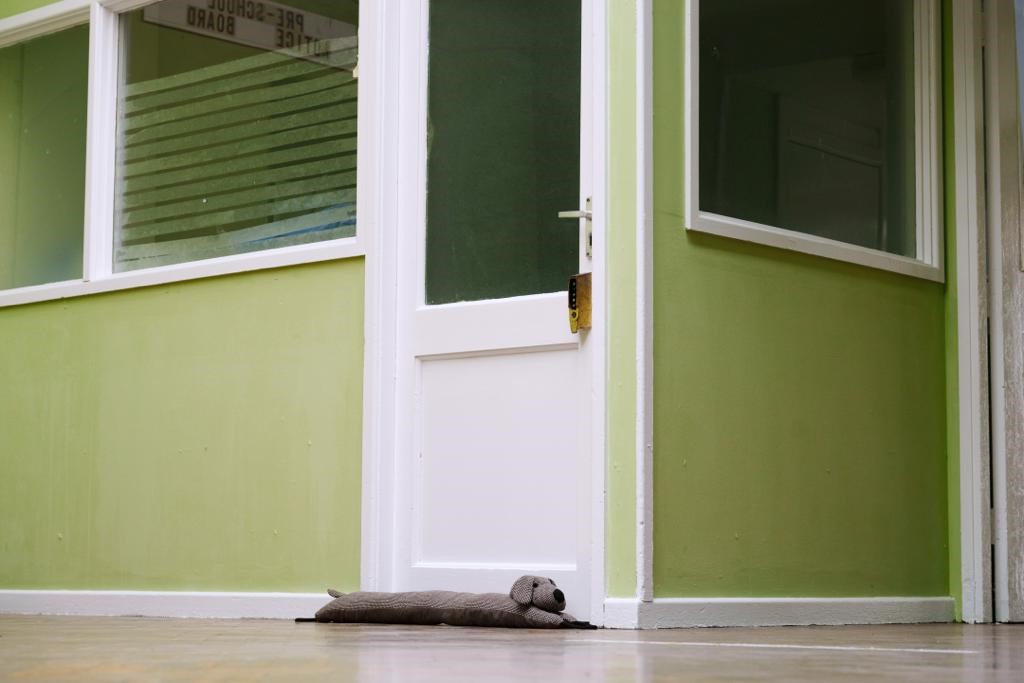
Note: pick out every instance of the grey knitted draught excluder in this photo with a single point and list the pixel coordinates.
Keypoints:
(533, 602)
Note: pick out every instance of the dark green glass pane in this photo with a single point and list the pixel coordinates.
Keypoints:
(503, 137)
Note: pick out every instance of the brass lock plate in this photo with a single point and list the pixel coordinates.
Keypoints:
(579, 302)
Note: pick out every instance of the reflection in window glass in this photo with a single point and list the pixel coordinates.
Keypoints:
(807, 117)
(237, 128)
(42, 158)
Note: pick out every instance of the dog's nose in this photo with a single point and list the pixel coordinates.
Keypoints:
(559, 595)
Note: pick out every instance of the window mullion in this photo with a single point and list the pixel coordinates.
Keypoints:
(927, 66)
(101, 143)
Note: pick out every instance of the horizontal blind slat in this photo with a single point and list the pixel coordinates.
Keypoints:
(172, 256)
(334, 217)
(229, 216)
(199, 188)
(207, 204)
(176, 254)
(235, 100)
(298, 136)
(141, 183)
(280, 72)
(345, 47)
(283, 72)
(192, 124)
(261, 127)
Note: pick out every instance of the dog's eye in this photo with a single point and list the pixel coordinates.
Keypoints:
(535, 584)
(552, 582)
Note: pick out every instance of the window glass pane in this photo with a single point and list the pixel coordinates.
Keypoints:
(237, 128)
(42, 158)
(503, 144)
(807, 117)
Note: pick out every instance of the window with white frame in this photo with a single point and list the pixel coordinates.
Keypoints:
(236, 128)
(221, 137)
(814, 127)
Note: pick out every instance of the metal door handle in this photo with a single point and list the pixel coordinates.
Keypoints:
(589, 216)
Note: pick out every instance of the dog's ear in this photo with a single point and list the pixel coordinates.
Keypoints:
(522, 590)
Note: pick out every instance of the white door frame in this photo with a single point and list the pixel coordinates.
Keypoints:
(971, 306)
(984, 272)
(391, 27)
(1006, 317)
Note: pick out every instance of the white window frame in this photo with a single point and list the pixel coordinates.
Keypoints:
(928, 262)
(101, 139)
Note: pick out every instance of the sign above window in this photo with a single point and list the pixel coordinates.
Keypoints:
(255, 23)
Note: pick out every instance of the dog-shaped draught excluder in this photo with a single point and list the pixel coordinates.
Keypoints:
(533, 602)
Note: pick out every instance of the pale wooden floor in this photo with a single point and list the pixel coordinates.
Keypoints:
(137, 649)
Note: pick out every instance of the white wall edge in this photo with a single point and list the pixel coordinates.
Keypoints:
(618, 612)
(100, 145)
(630, 613)
(377, 64)
(124, 5)
(972, 332)
(997, 28)
(644, 304)
(346, 247)
(748, 231)
(206, 605)
(44, 20)
(622, 613)
(600, 135)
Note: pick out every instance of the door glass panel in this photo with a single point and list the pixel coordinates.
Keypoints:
(503, 148)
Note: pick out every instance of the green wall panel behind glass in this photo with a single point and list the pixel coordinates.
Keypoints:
(799, 405)
(204, 435)
(42, 158)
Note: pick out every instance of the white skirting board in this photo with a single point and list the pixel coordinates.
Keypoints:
(618, 612)
(693, 612)
(163, 604)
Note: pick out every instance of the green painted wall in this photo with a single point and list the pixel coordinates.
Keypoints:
(9, 7)
(620, 533)
(203, 435)
(800, 415)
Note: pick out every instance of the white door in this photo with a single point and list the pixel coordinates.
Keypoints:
(494, 397)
